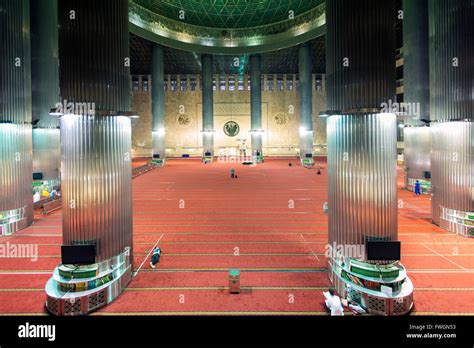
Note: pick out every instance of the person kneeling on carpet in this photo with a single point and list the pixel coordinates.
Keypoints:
(155, 258)
(333, 303)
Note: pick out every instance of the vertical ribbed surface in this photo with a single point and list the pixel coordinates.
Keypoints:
(93, 49)
(416, 68)
(362, 178)
(96, 179)
(452, 166)
(451, 37)
(45, 61)
(96, 151)
(45, 87)
(207, 104)
(361, 146)
(416, 83)
(451, 95)
(306, 99)
(363, 32)
(15, 80)
(256, 102)
(15, 107)
(46, 152)
(158, 101)
(15, 168)
(416, 152)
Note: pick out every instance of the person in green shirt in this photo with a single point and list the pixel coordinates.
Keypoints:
(232, 173)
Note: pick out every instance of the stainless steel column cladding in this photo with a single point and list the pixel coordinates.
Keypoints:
(95, 150)
(16, 198)
(361, 145)
(95, 154)
(362, 153)
(416, 85)
(360, 58)
(416, 76)
(45, 87)
(452, 106)
(94, 54)
(362, 175)
(46, 152)
(451, 67)
(452, 157)
(416, 153)
(96, 179)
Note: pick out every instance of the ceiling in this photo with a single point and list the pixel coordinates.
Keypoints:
(182, 62)
(229, 14)
(276, 62)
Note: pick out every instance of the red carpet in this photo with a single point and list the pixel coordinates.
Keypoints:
(269, 223)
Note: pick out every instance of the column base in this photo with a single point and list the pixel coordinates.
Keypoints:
(207, 159)
(258, 159)
(158, 162)
(46, 153)
(382, 290)
(12, 221)
(77, 290)
(456, 221)
(307, 162)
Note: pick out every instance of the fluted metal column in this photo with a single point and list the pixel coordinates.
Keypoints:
(416, 86)
(16, 199)
(207, 105)
(306, 100)
(103, 27)
(362, 178)
(362, 149)
(452, 155)
(452, 108)
(96, 176)
(95, 152)
(416, 68)
(158, 102)
(416, 154)
(256, 104)
(45, 87)
(361, 144)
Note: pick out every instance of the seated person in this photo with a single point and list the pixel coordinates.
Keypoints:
(155, 258)
(333, 303)
(326, 208)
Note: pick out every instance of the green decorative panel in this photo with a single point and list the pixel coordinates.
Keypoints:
(229, 13)
(227, 27)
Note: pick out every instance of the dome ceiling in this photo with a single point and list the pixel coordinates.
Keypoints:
(227, 26)
(229, 13)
